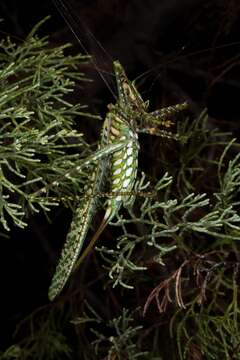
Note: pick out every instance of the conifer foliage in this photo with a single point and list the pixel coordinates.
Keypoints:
(164, 281)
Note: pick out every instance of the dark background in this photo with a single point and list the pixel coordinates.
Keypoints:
(186, 49)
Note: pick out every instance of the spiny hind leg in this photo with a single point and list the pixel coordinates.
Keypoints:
(164, 113)
(159, 121)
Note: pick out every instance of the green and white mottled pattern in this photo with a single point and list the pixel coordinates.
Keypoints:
(121, 125)
(124, 165)
(76, 235)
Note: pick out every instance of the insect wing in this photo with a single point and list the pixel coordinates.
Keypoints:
(76, 235)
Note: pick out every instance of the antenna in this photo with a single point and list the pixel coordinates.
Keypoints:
(73, 25)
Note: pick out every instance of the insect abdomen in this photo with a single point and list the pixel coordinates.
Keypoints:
(124, 164)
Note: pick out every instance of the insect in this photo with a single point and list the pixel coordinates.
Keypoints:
(123, 121)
